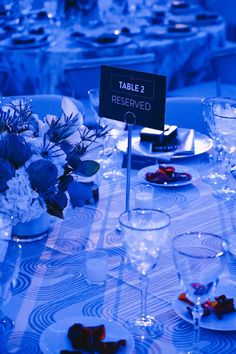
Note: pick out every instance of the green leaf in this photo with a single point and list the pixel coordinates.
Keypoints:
(87, 168)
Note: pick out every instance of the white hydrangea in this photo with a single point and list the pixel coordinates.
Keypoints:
(21, 201)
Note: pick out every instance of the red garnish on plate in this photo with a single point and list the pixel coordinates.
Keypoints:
(167, 174)
(91, 339)
(220, 306)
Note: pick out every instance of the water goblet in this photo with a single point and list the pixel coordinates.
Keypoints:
(145, 232)
(199, 259)
(224, 110)
(216, 175)
(10, 253)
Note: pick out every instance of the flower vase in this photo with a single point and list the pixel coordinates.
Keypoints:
(32, 230)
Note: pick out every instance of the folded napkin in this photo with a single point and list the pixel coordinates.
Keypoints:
(186, 142)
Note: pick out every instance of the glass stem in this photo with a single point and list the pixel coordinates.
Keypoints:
(197, 314)
(144, 285)
(229, 162)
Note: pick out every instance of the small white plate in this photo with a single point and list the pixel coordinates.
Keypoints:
(54, 338)
(228, 322)
(179, 168)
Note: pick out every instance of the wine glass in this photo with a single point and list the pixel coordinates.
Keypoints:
(109, 156)
(10, 252)
(145, 232)
(217, 173)
(224, 111)
(199, 259)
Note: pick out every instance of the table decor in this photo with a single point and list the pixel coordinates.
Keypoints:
(41, 161)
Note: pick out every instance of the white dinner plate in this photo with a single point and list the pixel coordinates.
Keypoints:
(54, 338)
(40, 41)
(141, 176)
(202, 144)
(163, 33)
(227, 323)
(91, 41)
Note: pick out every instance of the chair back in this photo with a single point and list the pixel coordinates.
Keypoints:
(3, 77)
(185, 112)
(83, 75)
(223, 65)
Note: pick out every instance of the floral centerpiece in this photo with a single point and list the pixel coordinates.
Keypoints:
(40, 160)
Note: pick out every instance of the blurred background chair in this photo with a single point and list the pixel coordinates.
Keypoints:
(83, 75)
(222, 64)
(226, 10)
(4, 70)
(185, 112)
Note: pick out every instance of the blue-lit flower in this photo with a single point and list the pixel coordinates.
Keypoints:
(6, 173)
(41, 159)
(14, 149)
(42, 175)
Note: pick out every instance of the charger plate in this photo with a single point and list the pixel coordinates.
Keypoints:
(202, 144)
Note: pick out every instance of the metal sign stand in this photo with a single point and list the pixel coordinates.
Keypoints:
(130, 120)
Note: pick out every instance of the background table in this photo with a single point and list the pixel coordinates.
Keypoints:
(52, 283)
(40, 69)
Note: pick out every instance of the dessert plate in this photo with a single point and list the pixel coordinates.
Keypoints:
(54, 338)
(141, 176)
(227, 323)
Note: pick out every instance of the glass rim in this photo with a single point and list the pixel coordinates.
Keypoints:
(217, 254)
(211, 102)
(95, 89)
(125, 224)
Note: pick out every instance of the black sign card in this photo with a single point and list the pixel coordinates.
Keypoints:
(126, 94)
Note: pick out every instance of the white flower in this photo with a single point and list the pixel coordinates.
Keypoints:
(21, 201)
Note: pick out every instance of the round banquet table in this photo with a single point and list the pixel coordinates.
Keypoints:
(52, 285)
(37, 69)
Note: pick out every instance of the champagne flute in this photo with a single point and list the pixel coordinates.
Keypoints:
(199, 259)
(145, 232)
(10, 252)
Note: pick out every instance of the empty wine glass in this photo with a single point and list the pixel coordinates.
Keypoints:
(217, 174)
(110, 156)
(224, 110)
(145, 232)
(10, 252)
(199, 259)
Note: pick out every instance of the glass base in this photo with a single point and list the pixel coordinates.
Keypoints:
(145, 327)
(6, 325)
(214, 178)
(225, 193)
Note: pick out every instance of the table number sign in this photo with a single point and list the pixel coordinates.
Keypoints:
(127, 93)
(133, 97)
